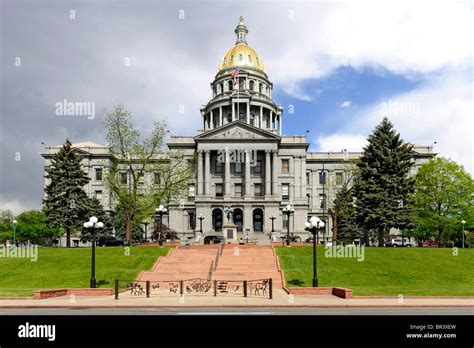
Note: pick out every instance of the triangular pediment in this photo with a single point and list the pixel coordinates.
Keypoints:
(237, 130)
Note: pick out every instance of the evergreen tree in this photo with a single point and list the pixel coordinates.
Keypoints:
(66, 202)
(95, 208)
(346, 223)
(383, 188)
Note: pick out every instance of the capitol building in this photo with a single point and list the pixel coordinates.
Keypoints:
(243, 159)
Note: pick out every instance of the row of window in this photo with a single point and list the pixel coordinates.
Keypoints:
(253, 86)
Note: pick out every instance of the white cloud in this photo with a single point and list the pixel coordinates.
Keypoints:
(345, 104)
(441, 110)
(341, 141)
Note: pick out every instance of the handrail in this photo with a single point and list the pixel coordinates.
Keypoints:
(209, 274)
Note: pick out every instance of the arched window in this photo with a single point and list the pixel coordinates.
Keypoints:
(231, 85)
(229, 118)
(215, 90)
(252, 119)
(241, 83)
(252, 85)
(232, 58)
(222, 87)
(260, 88)
(241, 116)
(250, 58)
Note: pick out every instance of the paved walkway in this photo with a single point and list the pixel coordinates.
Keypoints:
(280, 299)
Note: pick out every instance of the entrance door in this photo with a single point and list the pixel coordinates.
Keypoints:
(258, 220)
(239, 219)
(217, 220)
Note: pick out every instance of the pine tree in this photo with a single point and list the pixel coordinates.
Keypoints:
(346, 223)
(383, 188)
(65, 204)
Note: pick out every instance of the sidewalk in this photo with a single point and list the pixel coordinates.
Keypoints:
(280, 299)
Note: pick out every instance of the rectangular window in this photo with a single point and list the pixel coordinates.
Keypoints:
(284, 220)
(308, 198)
(218, 167)
(157, 178)
(250, 58)
(285, 192)
(339, 178)
(98, 195)
(98, 174)
(258, 189)
(191, 220)
(241, 57)
(308, 175)
(322, 178)
(285, 166)
(258, 167)
(123, 178)
(191, 191)
(322, 200)
(238, 168)
(219, 190)
(238, 190)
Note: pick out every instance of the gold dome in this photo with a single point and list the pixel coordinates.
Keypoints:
(241, 55)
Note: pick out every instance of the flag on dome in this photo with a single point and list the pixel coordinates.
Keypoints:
(235, 74)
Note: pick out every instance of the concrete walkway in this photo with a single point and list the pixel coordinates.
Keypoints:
(280, 299)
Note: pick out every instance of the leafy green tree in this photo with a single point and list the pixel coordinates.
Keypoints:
(444, 197)
(383, 187)
(135, 157)
(32, 227)
(6, 227)
(95, 208)
(65, 204)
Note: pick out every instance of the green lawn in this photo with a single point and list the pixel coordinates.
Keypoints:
(385, 271)
(62, 267)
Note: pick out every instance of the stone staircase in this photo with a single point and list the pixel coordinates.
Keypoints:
(237, 262)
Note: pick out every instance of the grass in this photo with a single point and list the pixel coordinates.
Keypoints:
(385, 271)
(62, 267)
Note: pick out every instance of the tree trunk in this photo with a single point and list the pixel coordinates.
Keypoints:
(380, 237)
(68, 237)
(128, 231)
(334, 227)
(440, 236)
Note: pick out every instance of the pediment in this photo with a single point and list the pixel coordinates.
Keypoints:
(237, 130)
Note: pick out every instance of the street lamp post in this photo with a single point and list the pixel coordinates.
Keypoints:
(93, 224)
(273, 217)
(288, 210)
(314, 225)
(161, 210)
(14, 232)
(146, 229)
(463, 222)
(200, 217)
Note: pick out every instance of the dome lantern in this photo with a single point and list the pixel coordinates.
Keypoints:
(241, 31)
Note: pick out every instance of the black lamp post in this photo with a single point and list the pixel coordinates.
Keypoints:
(146, 229)
(200, 217)
(93, 224)
(161, 210)
(288, 210)
(273, 217)
(314, 225)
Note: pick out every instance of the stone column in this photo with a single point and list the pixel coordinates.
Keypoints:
(268, 178)
(271, 119)
(247, 172)
(248, 113)
(233, 111)
(274, 173)
(199, 173)
(279, 124)
(207, 173)
(220, 116)
(227, 174)
(296, 175)
(303, 177)
(261, 117)
(212, 120)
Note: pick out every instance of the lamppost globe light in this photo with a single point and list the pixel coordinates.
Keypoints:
(99, 225)
(86, 224)
(463, 222)
(288, 207)
(15, 222)
(161, 207)
(321, 224)
(314, 220)
(93, 219)
(307, 225)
